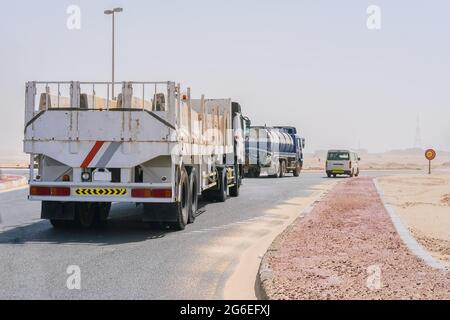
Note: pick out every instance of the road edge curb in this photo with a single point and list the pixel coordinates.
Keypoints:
(408, 239)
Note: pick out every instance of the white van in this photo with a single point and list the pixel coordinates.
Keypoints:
(342, 162)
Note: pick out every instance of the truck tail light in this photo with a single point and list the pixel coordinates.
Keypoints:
(49, 191)
(162, 193)
(40, 191)
(141, 193)
(60, 191)
(151, 193)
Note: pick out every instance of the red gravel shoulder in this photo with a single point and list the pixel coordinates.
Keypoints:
(346, 242)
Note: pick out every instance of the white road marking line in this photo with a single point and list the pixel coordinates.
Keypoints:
(243, 222)
(219, 227)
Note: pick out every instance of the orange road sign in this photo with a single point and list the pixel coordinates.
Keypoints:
(430, 154)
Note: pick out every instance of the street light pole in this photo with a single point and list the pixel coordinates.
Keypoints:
(112, 12)
(112, 70)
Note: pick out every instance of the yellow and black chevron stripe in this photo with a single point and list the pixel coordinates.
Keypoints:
(101, 191)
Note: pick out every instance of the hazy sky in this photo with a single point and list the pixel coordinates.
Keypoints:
(313, 64)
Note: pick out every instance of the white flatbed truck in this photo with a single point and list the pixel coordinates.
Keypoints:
(152, 145)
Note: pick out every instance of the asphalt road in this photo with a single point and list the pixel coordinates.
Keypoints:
(128, 259)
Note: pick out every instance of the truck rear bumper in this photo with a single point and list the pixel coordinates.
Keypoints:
(102, 192)
(153, 212)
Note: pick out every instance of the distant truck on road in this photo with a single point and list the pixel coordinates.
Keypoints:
(274, 151)
(152, 144)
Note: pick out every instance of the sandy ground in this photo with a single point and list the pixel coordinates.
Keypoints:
(407, 159)
(400, 160)
(348, 248)
(423, 203)
(14, 162)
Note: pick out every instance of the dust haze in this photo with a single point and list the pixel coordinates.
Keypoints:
(316, 66)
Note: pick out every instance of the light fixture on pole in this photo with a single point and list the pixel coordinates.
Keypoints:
(112, 12)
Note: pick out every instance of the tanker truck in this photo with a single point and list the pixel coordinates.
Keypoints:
(152, 144)
(274, 151)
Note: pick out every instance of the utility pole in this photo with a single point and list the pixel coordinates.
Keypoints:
(112, 12)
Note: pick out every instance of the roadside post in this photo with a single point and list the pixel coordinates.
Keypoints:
(430, 154)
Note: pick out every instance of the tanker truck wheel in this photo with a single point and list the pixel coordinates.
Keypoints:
(182, 205)
(278, 173)
(282, 168)
(296, 171)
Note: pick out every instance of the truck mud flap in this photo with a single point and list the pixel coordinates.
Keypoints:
(58, 210)
(160, 212)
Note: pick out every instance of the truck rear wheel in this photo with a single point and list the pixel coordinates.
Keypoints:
(85, 214)
(193, 187)
(182, 205)
(223, 186)
(234, 190)
(91, 214)
(61, 224)
(102, 212)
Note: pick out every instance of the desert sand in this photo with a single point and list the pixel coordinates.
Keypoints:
(20, 161)
(408, 159)
(423, 203)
